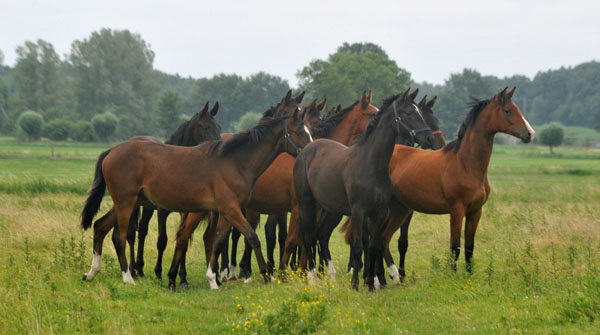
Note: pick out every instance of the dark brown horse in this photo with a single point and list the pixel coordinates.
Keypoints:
(213, 176)
(426, 108)
(454, 180)
(185, 136)
(273, 193)
(355, 180)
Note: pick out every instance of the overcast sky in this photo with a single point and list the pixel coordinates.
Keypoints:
(430, 39)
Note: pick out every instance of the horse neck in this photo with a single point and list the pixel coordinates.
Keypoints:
(348, 130)
(253, 160)
(379, 146)
(476, 149)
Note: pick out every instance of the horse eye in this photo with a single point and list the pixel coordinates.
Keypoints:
(507, 111)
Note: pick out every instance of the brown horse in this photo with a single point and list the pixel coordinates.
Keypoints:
(355, 180)
(454, 180)
(214, 175)
(273, 193)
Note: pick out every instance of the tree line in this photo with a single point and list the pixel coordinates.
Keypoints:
(107, 88)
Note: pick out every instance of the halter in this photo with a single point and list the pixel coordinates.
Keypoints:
(411, 132)
(288, 139)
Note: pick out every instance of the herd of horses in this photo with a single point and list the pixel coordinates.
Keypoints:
(362, 164)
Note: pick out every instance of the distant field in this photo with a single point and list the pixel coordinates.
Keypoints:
(537, 262)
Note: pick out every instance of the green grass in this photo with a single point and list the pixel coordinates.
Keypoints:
(537, 261)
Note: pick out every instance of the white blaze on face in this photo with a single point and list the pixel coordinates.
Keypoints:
(529, 129)
(308, 133)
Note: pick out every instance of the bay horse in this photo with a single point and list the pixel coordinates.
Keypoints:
(355, 180)
(286, 106)
(214, 175)
(273, 192)
(454, 180)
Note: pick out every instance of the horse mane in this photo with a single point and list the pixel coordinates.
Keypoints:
(177, 137)
(250, 136)
(331, 121)
(374, 121)
(476, 107)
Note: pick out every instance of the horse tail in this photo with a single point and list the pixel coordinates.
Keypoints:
(347, 229)
(95, 194)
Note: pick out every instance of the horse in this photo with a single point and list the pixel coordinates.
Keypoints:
(189, 133)
(273, 192)
(212, 176)
(439, 141)
(355, 180)
(454, 180)
(183, 136)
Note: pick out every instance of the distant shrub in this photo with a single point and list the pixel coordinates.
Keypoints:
(552, 135)
(31, 123)
(83, 131)
(105, 125)
(246, 121)
(57, 129)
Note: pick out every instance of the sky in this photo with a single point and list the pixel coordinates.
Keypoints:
(430, 39)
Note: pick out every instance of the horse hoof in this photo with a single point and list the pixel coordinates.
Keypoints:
(183, 285)
(140, 272)
(172, 286)
(248, 280)
(84, 277)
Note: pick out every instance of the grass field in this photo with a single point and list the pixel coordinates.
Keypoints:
(537, 261)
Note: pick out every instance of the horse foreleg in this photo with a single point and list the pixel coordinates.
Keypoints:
(133, 224)
(161, 243)
(291, 240)
(142, 233)
(124, 213)
(456, 217)
(327, 224)
(101, 227)
(358, 219)
(235, 238)
(271, 238)
(282, 233)
(403, 245)
(471, 222)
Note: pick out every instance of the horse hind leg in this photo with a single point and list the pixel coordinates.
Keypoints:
(161, 243)
(271, 238)
(101, 227)
(124, 211)
(142, 233)
(471, 223)
(133, 227)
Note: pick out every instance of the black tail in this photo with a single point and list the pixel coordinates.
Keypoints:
(95, 194)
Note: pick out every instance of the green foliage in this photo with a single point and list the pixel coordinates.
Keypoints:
(246, 121)
(346, 74)
(57, 129)
(31, 123)
(83, 131)
(105, 125)
(113, 70)
(552, 135)
(170, 108)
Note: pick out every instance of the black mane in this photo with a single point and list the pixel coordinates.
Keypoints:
(251, 136)
(374, 121)
(476, 107)
(178, 137)
(331, 121)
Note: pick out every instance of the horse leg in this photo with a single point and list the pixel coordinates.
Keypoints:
(101, 227)
(327, 224)
(471, 222)
(282, 233)
(358, 219)
(224, 270)
(235, 238)
(133, 225)
(395, 220)
(234, 216)
(456, 217)
(291, 241)
(307, 232)
(378, 242)
(124, 211)
(142, 233)
(271, 238)
(253, 218)
(403, 245)
(161, 243)
(184, 232)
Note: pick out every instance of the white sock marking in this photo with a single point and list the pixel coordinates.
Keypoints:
(331, 270)
(232, 272)
(248, 280)
(377, 283)
(311, 276)
(127, 279)
(212, 279)
(96, 262)
(224, 275)
(393, 271)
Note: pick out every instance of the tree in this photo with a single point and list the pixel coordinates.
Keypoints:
(350, 71)
(105, 125)
(83, 131)
(552, 135)
(37, 74)
(57, 129)
(31, 123)
(246, 121)
(169, 109)
(113, 70)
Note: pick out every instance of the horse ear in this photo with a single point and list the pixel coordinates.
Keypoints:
(288, 96)
(511, 92)
(413, 95)
(405, 94)
(295, 115)
(369, 96)
(432, 102)
(215, 109)
(311, 105)
(423, 102)
(364, 100)
(300, 97)
(321, 105)
(204, 109)
(500, 96)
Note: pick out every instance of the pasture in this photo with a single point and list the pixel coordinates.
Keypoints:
(536, 262)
